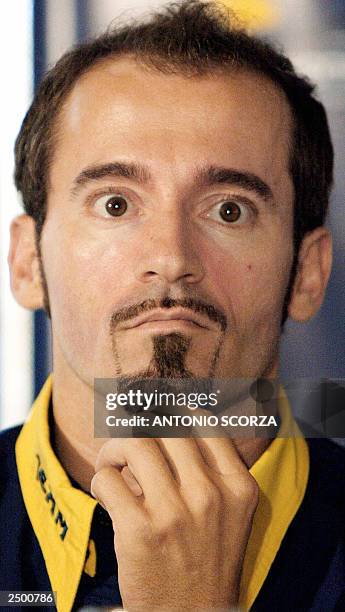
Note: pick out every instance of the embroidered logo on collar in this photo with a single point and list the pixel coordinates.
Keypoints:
(49, 498)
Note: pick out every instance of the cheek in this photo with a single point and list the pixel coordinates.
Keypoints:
(86, 277)
(252, 285)
(84, 265)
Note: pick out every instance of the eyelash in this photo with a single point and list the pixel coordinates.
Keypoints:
(107, 191)
(92, 199)
(237, 199)
(242, 202)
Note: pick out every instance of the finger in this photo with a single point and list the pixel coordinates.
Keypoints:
(110, 489)
(146, 463)
(229, 472)
(198, 488)
(183, 454)
(218, 451)
(184, 458)
(188, 455)
(221, 456)
(131, 481)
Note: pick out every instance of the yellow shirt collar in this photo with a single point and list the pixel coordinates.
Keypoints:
(61, 515)
(282, 474)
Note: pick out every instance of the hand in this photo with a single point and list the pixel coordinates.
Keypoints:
(181, 524)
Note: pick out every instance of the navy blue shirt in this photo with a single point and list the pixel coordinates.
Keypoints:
(308, 573)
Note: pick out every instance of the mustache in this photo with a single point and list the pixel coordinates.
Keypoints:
(196, 305)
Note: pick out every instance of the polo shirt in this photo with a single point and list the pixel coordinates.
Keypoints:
(63, 516)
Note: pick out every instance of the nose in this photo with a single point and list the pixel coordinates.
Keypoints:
(169, 252)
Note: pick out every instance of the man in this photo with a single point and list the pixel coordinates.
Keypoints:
(175, 177)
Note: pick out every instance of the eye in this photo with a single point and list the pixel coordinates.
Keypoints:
(114, 205)
(231, 211)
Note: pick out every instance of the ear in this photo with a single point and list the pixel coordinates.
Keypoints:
(313, 270)
(23, 260)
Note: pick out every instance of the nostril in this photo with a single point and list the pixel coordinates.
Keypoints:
(169, 267)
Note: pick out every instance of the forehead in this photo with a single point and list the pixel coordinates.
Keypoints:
(121, 108)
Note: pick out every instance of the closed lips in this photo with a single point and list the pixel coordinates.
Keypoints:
(171, 315)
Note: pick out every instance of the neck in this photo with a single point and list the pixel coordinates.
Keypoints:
(78, 457)
(77, 451)
(74, 441)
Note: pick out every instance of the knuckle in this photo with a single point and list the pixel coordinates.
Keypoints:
(100, 477)
(110, 449)
(142, 531)
(94, 486)
(247, 491)
(143, 447)
(207, 498)
(133, 443)
(170, 526)
(212, 497)
(139, 443)
(100, 482)
(129, 446)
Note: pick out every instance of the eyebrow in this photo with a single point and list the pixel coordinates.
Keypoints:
(214, 175)
(112, 170)
(204, 177)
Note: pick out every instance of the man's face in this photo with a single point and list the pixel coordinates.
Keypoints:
(169, 224)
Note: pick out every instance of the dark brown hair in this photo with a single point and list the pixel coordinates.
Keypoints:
(194, 38)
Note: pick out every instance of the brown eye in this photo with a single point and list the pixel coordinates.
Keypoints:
(230, 211)
(116, 206)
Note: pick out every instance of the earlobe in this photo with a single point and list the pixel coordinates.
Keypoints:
(23, 260)
(313, 271)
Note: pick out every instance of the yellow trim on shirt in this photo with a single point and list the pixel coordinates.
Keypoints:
(91, 558)
(282, 474)
(61, 515)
